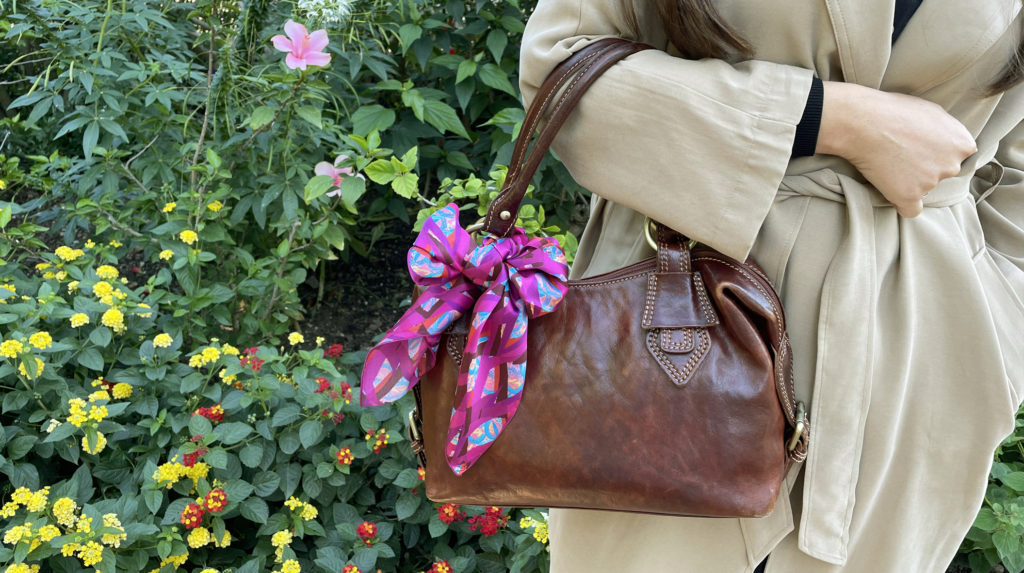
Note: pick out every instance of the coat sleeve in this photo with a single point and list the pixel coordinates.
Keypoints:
(701, 146)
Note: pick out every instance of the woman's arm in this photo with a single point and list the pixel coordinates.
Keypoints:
(703, 145)
(700, 145)
(902, 144)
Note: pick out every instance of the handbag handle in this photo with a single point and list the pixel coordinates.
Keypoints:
(579, 72)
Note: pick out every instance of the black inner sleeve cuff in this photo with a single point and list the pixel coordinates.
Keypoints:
(806, 139)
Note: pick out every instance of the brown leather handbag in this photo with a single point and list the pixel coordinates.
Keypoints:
(664, 387)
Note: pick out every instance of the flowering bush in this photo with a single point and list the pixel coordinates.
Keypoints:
(128, 448)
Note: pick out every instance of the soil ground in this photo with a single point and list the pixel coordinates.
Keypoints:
(362, 297)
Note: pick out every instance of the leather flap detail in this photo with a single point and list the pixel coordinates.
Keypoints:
(677, 300)
(676, 340)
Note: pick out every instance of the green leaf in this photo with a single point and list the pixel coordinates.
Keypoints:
(285, 415)
(261, 116)
(255, 509)
(62, 431)
(493, 76)
(101, 336)
(1014, 481)
(372, 118)
(309, 433)
(408, 34)
(213, 159)
(199, 425)
(89, 138)
(216, 457)
(153, 498)
(380, 171)
(91, 359)
(436, 527)
(18, 447)
(233, 432)
(406, 185)
(365, 558)
(466, 69)
(407, 505)
(1007, 543)
(317, 186)
(443, 117)
(311, 115)
(496, 42)
(289, 442)
(413, 100)
(265, 483)
(408, 478)
(330, 558)
(251, 455)
(237, 490)
(352, 188)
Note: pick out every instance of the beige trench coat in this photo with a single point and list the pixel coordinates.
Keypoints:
(906, 332)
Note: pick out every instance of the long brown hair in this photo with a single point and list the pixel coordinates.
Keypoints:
(697, 30)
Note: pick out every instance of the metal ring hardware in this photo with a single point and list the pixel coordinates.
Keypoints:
(650, 229)
(798, 431)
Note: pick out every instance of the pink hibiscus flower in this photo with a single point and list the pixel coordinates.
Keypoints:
(304, 49)
(332, 171)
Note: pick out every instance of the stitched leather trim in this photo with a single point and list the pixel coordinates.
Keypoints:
(680, 376)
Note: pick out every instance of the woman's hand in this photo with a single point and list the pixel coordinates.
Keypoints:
(902, 144)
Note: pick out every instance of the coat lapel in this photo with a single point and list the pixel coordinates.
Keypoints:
(863, 33)
(923, 59)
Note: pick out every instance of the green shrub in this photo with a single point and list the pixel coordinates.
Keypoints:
(206, 456)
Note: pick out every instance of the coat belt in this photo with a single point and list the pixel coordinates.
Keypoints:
(842, 378)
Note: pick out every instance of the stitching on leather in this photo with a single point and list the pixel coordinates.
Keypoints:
(455, 349)
(680, 378)
(744, 272)
(652, 288)
(611, 282)
(702, 295)
(668, 342)
(778, 325)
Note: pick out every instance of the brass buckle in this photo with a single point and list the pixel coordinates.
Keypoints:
(798, 431)
(649, 230)
(414, 432)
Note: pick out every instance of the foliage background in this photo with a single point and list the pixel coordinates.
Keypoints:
(167, 140)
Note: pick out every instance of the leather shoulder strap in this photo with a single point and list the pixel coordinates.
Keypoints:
(575, 75)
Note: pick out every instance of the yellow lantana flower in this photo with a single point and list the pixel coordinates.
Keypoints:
(199, 537)
(215, 206)
(188, 236)
(113, 318)
(163, 340)
(67, 253)
(102, 289)
(38, 500)
(64, 510)
(11, 348)
(295, 338)
(48, 532)
(107, 272)
(166, 254)
(122, 390)
(79, 319)
(168, 207)
(41, 340)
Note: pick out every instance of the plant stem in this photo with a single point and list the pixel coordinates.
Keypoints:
(209, 95)
(280, 271)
